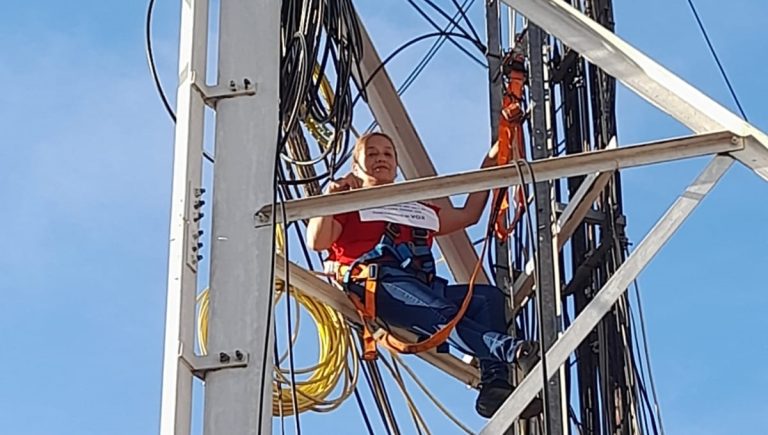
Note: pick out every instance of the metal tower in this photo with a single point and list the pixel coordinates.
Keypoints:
(573, 60)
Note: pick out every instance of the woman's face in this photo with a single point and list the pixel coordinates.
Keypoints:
(377, 161)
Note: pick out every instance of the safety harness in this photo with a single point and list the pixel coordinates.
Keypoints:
(511, 140)
(415, 258)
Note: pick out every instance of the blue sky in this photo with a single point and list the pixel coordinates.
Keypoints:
(86, 168)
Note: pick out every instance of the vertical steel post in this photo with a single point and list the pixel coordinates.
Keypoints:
(176, 407)
(548, 284)
(239, 400)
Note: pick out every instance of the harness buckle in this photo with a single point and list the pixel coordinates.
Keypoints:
(373, 271)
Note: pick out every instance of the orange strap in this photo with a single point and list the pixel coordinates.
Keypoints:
(369, 343)
(368, 315)
(511, 146)
(442, 334)
(367, 310)
(370, 276)
(370, 296)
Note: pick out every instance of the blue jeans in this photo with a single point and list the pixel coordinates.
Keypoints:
(404, 301)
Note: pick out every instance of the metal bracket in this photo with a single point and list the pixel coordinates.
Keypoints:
(201, 365)
(193, 216)
(212, 94)
(261, 219)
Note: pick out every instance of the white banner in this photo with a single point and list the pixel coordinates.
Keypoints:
(413, 214)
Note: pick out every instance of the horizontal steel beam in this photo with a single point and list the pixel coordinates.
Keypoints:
(502, 176)
(586, 321)
(312, 285)
(644, 76)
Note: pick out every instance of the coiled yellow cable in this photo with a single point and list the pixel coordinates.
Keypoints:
(337, 359)
(337, 356)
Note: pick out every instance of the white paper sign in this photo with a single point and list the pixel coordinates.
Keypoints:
(413, 214)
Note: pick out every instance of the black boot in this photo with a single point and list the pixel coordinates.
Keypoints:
(527, 356)
(492, 396)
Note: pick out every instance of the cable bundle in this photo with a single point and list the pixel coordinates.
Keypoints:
(319, 39)
(337, 358)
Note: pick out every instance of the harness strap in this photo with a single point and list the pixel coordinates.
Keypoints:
(369, 342)
(371, 281)
(442, 334)
(366, 271)
(370, 274)
(434, 340)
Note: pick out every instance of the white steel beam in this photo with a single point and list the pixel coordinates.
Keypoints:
(607, 296)
(501, 176)
(414, 162)
(239, 400)
(311, 285)
(644, 76)
(176, 406)
(582, 201)
(580, 204)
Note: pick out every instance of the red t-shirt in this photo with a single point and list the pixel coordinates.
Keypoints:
(359, 237)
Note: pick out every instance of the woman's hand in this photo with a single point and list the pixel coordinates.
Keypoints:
(347, 182)
(322, 231)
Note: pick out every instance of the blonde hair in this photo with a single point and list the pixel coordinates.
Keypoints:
(363, 140)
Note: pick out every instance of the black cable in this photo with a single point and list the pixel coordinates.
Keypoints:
(641, 377)
(398, 51)
(537, 283)
(368, 378)
(646, 411)
(572, 414)
(271, 299)
(317, 35)
(289, 323)
(430, 54)
(308, 259)
(647, 354)
(644, 394)
(717, 59)
(476, 40)
(341, 95)
(445, 15)
(280, 412)
(495, 209)
(360, 405)
(153, 68)
(151, 59)
(303, 181)
(301, 86)
(466, 19)
(378, 380)
(396, 372)
(634, 392)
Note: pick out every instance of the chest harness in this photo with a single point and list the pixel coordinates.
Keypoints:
(414, 257)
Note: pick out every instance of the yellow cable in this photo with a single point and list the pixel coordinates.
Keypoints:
(337, 358)
(318, 130)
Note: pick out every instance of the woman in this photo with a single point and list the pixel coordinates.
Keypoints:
(406, 295)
